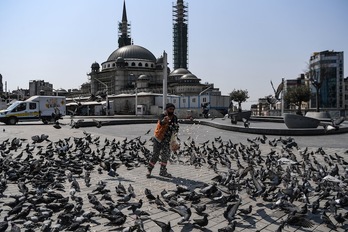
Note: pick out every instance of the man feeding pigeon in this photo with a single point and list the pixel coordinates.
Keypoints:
(167, 126)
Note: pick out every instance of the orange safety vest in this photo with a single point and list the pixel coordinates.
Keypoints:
(161, 129)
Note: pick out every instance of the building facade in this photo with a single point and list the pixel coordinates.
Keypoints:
(346, 93)
(326, 75)
(40, 87)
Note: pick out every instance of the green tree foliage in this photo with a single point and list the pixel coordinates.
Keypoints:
(239, 96)
(297, 95)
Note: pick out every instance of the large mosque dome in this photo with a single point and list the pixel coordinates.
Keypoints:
(132, 52)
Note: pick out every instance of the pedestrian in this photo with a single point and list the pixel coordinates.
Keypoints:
(56, 115)
(167, 125)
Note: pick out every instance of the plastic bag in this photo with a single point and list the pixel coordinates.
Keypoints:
(174, 144)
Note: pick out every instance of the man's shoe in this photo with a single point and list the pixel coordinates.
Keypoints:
(148, 174)
(164, 173)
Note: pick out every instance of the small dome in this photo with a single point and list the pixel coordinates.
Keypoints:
(95, 65)
(61, 90)
(179, 71)
(143, 78)
(189, 76)
(132, 52)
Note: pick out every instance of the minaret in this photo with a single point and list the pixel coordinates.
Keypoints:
(180, 30)
(124, 29)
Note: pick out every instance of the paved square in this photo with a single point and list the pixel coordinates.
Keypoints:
(270, 174)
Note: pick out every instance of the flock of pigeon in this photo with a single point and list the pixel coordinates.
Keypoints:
(73, 184)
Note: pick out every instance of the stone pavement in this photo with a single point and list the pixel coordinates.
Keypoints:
(187, 171)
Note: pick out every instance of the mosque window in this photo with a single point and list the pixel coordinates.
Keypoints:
(151, 65)
(146, 65)
(108, 65)
(140, 64)
(113, 65)
(126, 64)
(133, 64)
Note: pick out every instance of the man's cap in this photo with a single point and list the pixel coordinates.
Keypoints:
(170, 105)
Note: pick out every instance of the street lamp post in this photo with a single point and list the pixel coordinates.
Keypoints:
(282, 97)
(136, 99)
(132, 77)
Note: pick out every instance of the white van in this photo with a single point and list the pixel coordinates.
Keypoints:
(34, 108)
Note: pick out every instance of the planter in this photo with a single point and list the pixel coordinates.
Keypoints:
(238, 116)
(299, 121)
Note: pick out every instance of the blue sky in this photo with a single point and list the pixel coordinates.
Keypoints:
(235, 44)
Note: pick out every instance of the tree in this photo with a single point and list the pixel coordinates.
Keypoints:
(239, 96)
(297, 95)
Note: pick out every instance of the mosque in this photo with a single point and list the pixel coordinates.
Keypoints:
(131, 78)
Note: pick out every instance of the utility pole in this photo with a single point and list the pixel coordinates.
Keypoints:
(164, 79)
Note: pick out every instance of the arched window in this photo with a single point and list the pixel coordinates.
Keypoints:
(140, 64)
(126, 64)
(133, 64)
(146, 65)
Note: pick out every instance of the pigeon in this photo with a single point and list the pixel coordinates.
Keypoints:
(149, 195)
(116, 220)
(98, 124)
(131, 190)
(229, 228)
(281, 226)
(338, 121)
(15, 228)
(120, 189)
(181, 189)
(224, 117)
(296, 219)
(246, 211)
(328, 127)
(231, 211)
(199, 208)
(112, 173)
(183, 211)
(246, 122)
(159, 202)
(57, 125)
(339, 218)
(126, 198)
(201, 222)
(166, 227)
(4, 224)
(136, 205)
